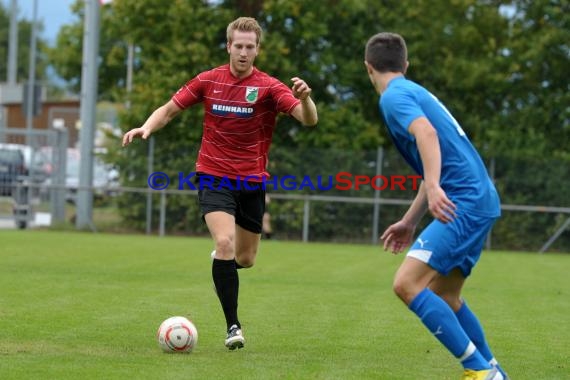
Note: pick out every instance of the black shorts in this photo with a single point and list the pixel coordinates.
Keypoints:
(245, 201)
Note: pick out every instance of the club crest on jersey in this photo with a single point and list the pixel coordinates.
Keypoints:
(251, 94)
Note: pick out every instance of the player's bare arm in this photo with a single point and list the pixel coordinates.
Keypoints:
(418, 208)
(157, 120)
(306, 111)
(400, 234)
(440, 206)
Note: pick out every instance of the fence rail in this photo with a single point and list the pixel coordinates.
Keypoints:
(307, 201)
(536, 213)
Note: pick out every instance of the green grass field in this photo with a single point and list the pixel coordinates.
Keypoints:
(87, 306)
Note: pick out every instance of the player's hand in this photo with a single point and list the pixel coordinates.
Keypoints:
(301, 90)
(440, 206)
(398, 236)
(135, 132)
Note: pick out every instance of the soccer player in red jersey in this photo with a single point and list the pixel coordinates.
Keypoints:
(241, 104)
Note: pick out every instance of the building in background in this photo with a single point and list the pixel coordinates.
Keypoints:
(12, 116)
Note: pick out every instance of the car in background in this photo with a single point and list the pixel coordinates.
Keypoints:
(36, 160)
(105, 177)
(12, 167)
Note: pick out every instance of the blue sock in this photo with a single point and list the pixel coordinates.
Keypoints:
(474, 331)
(441, 321)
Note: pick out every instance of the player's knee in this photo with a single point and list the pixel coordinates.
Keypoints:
(225, 246)
(402, 289)
(246, 258)
(245, 262)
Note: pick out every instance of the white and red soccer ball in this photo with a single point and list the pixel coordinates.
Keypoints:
(177, 334)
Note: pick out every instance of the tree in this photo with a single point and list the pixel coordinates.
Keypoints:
(537, 92)
(500, 67)
(313, 43)
(66, 55)
(485, 60)
(23, 58)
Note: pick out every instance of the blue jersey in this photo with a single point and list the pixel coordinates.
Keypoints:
(464, 177)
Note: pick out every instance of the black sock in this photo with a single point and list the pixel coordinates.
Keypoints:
(226, 280)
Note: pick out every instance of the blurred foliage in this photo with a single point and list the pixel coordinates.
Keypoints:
(501, 67)
(24, 31)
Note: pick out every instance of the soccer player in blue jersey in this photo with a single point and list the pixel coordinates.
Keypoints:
(457, 191)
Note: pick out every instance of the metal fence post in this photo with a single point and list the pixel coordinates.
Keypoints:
(162, 221)
(306, 219)
(553, 238)
(59, 154)
(376, 215)
(150, 165)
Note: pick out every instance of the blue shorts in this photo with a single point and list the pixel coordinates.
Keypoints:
(457, 244)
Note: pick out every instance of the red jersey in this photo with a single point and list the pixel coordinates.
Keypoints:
(239, 119)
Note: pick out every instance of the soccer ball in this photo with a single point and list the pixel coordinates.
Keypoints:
(177, 334)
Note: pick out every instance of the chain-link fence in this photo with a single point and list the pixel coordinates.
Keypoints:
(311, 200)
